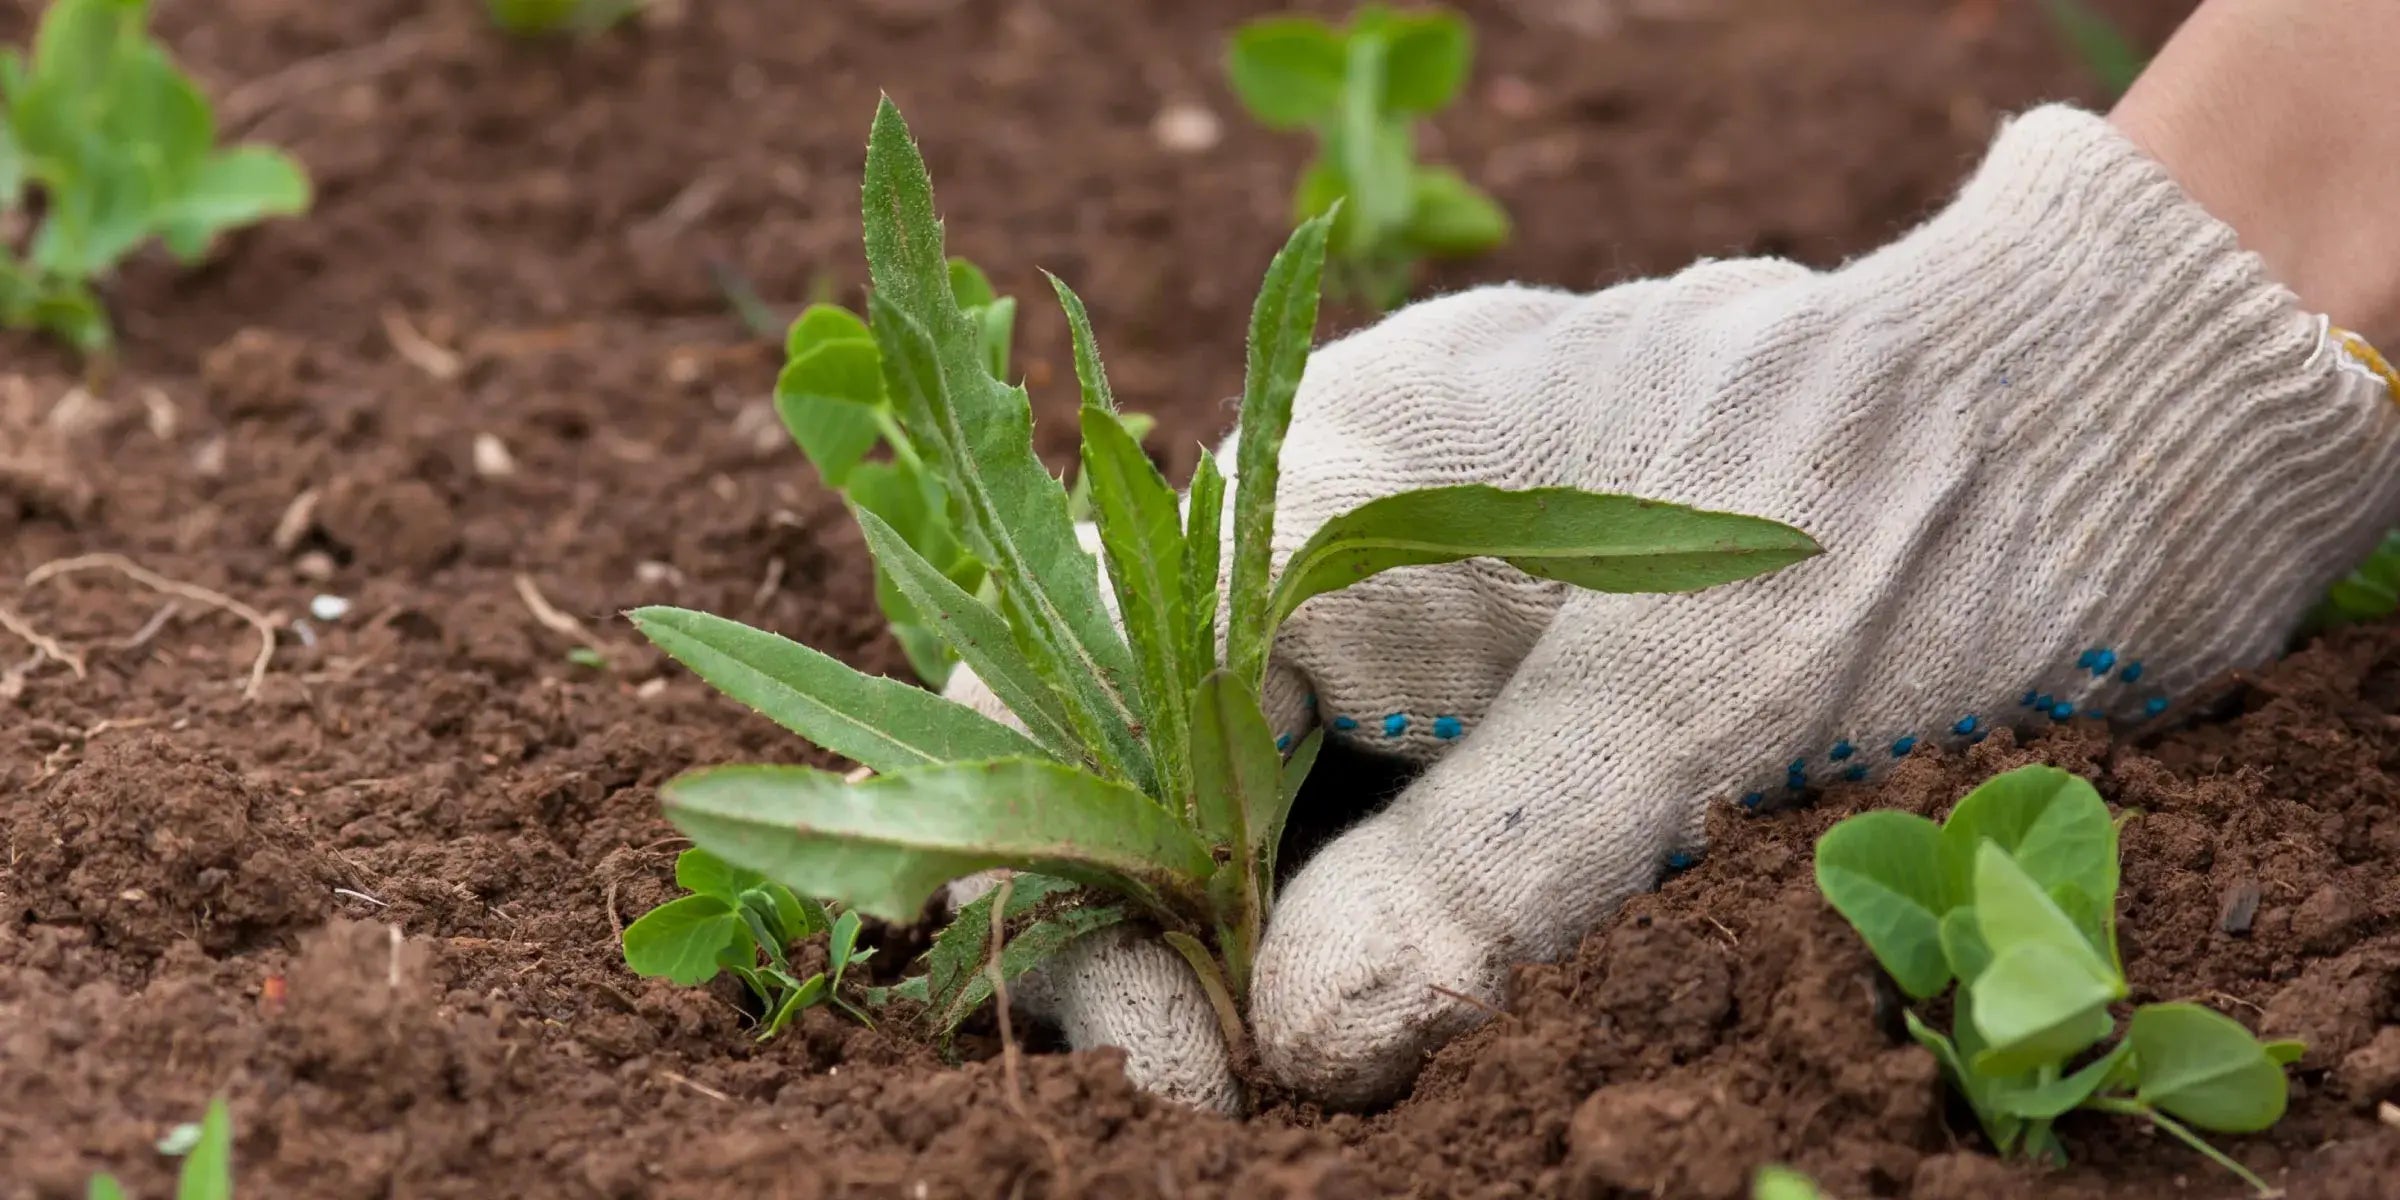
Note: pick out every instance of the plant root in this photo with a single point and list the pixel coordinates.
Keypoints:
(173, 587)
(1061, 1180)
(44, 646)
(552, 619)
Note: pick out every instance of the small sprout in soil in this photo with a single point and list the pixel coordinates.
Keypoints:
(541, 17)
(2014, 898)
(1143, 769)
(733, 918)
(1360, 89)
(1783, 1183)
(207, 1152)
(112, 145)
(2103, 48)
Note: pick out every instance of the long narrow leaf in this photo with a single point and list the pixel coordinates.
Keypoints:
(1281, 326)
(1270, 840)
(1237, 775)
(1604, 542)
(880, 723)
(1203, 555)
(1088, 371)
(977, 634)
(1031, 574)
(884, 845)
(1141, 533)
(977, 434)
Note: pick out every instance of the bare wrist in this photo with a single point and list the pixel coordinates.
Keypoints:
(2276, 117)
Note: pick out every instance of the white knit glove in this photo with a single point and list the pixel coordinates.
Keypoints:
(2068, 450)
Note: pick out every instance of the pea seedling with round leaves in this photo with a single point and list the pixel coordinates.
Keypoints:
(2014, 897)
(1144, 782)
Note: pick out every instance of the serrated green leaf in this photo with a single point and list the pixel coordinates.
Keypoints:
(1882, 872)
(1010, 509)
(976, 434)
(1287, 71)
(1237, 777)
(701, 873)
(885, 845)
(2201, 1065)
(1141, 534)
(208, 1170)
(683, 940)
(1425, 62)
(1603, 542)
(1282, 323)
(1448, 215)
(2037, 1101)
(232, 187)
(977, 635)
(881, 723)
(1203, 523)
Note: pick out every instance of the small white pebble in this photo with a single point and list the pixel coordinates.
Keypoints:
(652, 571)
(1187, 128)
(329, 608)
(492, 459)
(316, 565)
(650, 689)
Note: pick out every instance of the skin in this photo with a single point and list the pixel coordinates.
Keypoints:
(2282, 118)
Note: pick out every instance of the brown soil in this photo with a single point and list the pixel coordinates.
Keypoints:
(376, 904)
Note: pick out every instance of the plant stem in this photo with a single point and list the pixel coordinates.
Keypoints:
(2176, 1129)
(1212, 981)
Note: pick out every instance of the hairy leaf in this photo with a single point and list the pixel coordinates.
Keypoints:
(957, 979)
(1237, 776)
(1603, 542)
(1141, 534)
(2201, 1065)
(884, 845)
(1202, 558)
(1281, 326)
(1882, 872)
(978, 635)
(881, 723)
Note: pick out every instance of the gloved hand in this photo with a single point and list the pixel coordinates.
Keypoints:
(2068, 449)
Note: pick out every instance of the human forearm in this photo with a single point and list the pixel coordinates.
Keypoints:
(2282, 118)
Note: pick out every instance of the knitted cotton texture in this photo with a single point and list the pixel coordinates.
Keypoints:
(2068, 450)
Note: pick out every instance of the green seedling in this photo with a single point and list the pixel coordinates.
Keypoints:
(1360, 89)
(2368, 593)
(831, 397)
(113, 145)
(2014, 899)
(732, 919)
(1142, 767)
(542, 17)
(207, 1160)
(2103, 48)
(1783, 1183)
